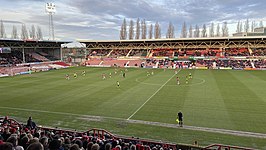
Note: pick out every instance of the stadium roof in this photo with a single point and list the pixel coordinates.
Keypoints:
(31, 43)
(173, 39)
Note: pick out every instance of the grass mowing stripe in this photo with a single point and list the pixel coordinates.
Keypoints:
(212, 96)
(152, 96)
(243, 105)
(254, 82)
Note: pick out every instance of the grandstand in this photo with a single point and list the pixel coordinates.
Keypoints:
(218, 51)
(35, 55)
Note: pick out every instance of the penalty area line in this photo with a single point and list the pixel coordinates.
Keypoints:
(152, 96)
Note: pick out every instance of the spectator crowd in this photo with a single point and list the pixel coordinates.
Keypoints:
(16, 136)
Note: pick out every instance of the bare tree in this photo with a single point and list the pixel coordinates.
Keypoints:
(14, 34)
(261, 24)
(241, 27)
(151, 32)
(39, 35)
(246, 27)
(190, 32)
(211, 30)
(137, 29)
(170, 31)
(197, 31)
(238, 27)
(184, 30)
(125, 28)
(2, 30)
(253, 25)
(123, 31)
(32, 32)
(24, 32)
(157, 32)
(173, 32)
(204, 31)
(218, 34)
(131, 30)
(143, 29)
(225, 32)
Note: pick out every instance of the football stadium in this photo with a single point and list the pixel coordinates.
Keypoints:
(140, 94)
(222, 102)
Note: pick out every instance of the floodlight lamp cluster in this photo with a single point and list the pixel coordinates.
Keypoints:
(50, 8)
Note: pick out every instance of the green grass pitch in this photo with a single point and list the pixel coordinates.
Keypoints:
(225, 99)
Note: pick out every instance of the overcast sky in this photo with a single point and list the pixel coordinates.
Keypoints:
(101, 19)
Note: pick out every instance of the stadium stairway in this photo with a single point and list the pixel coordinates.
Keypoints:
(110, 53)
(150, 53)
(252, 64)
(127, 63)
(157, 64)
(250, 51)
(128, 53)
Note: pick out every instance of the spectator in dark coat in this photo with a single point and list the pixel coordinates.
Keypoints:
(30, 124)
(55, 144)
(6, 146)
(35, 146)
(74, 147)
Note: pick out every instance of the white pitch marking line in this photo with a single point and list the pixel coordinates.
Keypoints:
(192, 84)
(152, 96)
(57, 113)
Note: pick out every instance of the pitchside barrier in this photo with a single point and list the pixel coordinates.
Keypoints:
(101, 134)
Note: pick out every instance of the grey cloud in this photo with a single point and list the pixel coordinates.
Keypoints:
(101, 19)
(77, 32)
(176, 11)
(129, 9)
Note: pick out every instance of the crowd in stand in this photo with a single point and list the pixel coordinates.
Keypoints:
(138, 53)
(118, 53)
(15, 57)
(226, 63)
(99, 53)
(260, 63)
(151, 62)
(237, 52)
(198, 52)
(184, 52)
(162, 53)
(16, 136)
(259, 52)
(233, 63)
(10, 58)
